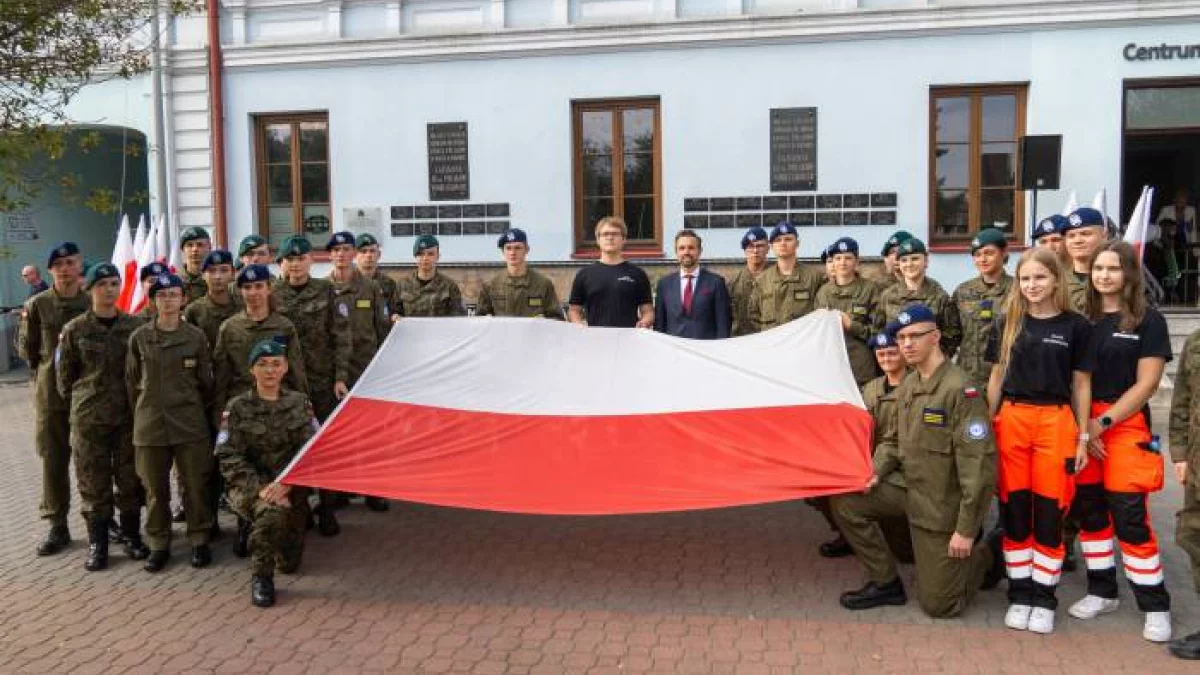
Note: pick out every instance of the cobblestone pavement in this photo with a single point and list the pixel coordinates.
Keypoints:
(431, 590)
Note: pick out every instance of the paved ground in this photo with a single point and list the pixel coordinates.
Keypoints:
(430, 590)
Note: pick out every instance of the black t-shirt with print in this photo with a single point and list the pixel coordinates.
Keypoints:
(1117, 353)
(611, 294)
(1044, 356)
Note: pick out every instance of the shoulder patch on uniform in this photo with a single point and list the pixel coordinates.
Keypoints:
(977, 430)
(343, 310)
(223, 437)
(971, 392)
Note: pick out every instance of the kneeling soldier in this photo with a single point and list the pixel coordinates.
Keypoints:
(261, 431)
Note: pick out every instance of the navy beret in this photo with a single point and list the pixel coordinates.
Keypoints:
(252, 273)
(340, 239)
(782, 229)
(752, 235)
(843, 245)
(154, 269)
(165, 281)
(913, 314)
(61, 250)
(883, 340)
(1084, 217)
(825, 253)
(1054, 224)
(217, 257)
(513, 236)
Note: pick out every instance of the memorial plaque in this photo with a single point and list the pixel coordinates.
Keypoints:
(773, 219)
(748, 220)
(694, 221)
(402, 212)
(805, 219)
(426, 228)
(497, 227)
(425, 212)
(800, 202)
(829, 201)
(883, 217)
(402, 229)
(829, 218)
(720, 204)
(884, 200)
(449, 174)
(775, 202)
(856, 218)
(497, 210)
(793, 149)
(450, 211)
(749, 203)
(695, 204)
(720, 220)
(474, 227)
(474, 210)
(449, 227)
(856, 201)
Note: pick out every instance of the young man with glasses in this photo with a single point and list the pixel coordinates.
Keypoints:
(611, 292)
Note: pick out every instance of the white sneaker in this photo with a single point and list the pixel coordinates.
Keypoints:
(1092, 606)
(1158, 627)
(1017, 617)
(1041, 620)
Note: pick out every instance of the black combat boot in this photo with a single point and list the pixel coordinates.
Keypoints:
(837, 547)
(157, 561)
(875, 595)
(262, 591)
(97, 557)
(1187, 647)
(201, 556)
(378, 504)
(241, 545)
(131, 530)
(58, 538)
(179, 515)
(327, 523)
(115, 534)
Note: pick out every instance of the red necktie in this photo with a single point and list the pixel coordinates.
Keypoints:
(687, 295)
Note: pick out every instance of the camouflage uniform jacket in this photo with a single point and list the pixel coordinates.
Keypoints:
(978, 307)
(778, 299)
(231, 355)
(1185, 410)
(257, 440)
(42, 320)
(387, 286)
(741, 287)
(208, 315)
(440, 296)
(194, 286)
(323, 322)
(531, 295)
(857, 299)
(933, 296)
(170, 382)
(91, 370)
(1077, 292)
(370, 320)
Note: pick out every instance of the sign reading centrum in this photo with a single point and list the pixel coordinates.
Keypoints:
(1163, 52)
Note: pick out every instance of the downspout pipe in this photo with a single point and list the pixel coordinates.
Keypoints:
(216, 122)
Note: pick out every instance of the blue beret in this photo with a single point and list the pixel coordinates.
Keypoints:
(883, 340)
(250, 242)
(293, 245)
(217, 257)
(154, 269)
(916, 313)
(61, 250)
(895, 240)
(424, 243)
(782, 229)
(843, 245)
(165, 281)
(989, 237)
(266, 347)
(192, 234)
(364, 240)
(513, 236)
(252, 273)
(1085, 217)
(100, 272)
(340, 239)
(752, 235)
(911, 246)
(1054, 224)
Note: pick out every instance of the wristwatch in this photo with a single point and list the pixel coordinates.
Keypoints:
(1106, 422)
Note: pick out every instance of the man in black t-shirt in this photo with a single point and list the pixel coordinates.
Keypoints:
(611, 292)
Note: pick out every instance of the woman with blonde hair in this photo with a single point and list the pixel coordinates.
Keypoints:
(1040, 398)
(1125, 466)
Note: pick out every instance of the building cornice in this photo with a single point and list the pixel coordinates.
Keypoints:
(858, 24)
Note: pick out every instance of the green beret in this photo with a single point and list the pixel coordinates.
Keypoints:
(989, 237)
(910, 246)
(100, 272)
(423, 243)
(192, 234)
(894, 240)
(250, 242)
(293, 245)
(365, 239)
(266, 347)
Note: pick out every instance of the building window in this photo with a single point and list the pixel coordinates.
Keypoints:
(974, 133)
(293, 175)
(618, 169)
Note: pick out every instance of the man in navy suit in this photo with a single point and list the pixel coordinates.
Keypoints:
(693, 302)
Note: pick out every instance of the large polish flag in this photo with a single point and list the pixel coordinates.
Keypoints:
(533, 416)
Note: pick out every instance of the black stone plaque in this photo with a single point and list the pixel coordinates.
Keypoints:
(474, 210)
(773, 219)
(425, 212)
(402, 229)
(775, 202)
(449, 227)
(856, 201)
(856, 218)
(474, 227)
(497, 226)
(694, 221)
(720, 220)
(450, 211)
(801, 202)
(497, 210)
(829, 201)
(695, 204)
(749, 220)
(749, 203)
(793, 149)
(402, 212)
(720, 204)
(829, 218)
(449, 174)
(883, 217)
(883, 200)
(426, 228)
(805, 219)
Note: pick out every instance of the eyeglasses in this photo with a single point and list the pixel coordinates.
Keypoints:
(609, 235)
(913, 337)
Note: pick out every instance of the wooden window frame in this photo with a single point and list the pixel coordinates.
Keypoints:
(640, 248)
(975, 92)
(260, 169)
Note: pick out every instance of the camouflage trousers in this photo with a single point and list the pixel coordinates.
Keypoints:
(103, 458)
(1187, 528)
(277, 534)
(53, 442)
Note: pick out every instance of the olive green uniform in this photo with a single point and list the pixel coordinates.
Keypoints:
(194, 286)
(170, 382)
(978, 305)
(208, 316)
(530, 295)
(885, 281)
(323, 322)
(947, 451)
(1185, 447)
(1077, 291)
(91, 376)
(258, 439)
(439, 296)
(42, 319)
(777, 299)
(236, 337)
(930, 294)
(741, 287)
(857, 300)
(370, 320)
(387, 285)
